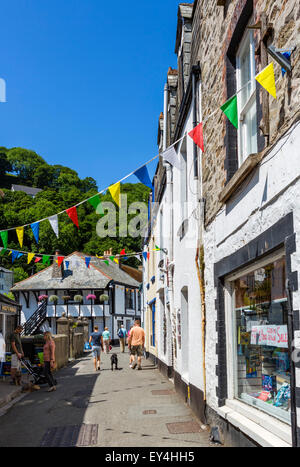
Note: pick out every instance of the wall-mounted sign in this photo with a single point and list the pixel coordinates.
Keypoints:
(8, 309)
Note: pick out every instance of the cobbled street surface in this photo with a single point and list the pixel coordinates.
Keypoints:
(124, 408)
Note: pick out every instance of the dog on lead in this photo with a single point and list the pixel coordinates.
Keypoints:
(114, 361)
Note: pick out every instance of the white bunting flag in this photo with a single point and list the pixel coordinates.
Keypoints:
(171, 156)
(138, 257)
(54, 224)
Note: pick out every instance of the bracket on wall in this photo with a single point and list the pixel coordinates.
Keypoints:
(280, 58)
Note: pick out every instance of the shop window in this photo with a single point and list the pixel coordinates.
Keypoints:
(262, 365)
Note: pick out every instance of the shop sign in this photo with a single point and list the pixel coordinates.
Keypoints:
(130, 312)
(270, 335)
(8, 309)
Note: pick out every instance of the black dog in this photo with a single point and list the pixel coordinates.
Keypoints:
(114, 361)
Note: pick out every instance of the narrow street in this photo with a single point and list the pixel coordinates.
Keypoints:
(110, 409)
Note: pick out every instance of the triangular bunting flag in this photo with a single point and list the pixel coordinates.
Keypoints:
(30, 257)
(115, 191)
(231, 111)
(148, 255)
(37, 259)
(20, 235)
(122, 252)
(116, 260)
(96, 203)
(46, 259)
(143, 175)
(60, 260)
(36, 231)
(4, 237)
(106, 262)
(138, 257)
(54, 224)
(145, 255)
(170, 155)
(67, 263)
(112, 258)
(72, 213)
(266, 79)
(87, 261)
(15, 255)
(197, 136)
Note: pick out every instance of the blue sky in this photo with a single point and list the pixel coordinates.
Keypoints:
(85, 81)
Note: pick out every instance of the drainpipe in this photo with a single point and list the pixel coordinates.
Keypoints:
(292, 363)
(169, 191)
(199, 258)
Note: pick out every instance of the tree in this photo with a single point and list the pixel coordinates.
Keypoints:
(5, 165)
(24, 163)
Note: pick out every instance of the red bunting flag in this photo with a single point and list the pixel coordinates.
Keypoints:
(72, 213)
(197, 136)
(37, 259)
(148, 255)
(60, 260)
(122, 252)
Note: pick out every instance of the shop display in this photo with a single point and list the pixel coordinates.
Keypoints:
(263, 365)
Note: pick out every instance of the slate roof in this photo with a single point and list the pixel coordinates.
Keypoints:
(26, 189)
(78, 276)
(2, 269)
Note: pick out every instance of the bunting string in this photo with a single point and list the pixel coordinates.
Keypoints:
(266, 78)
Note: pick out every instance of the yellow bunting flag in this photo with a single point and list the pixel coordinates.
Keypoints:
(266, 79)
(115, 191)
(30, 257)
(20, 235)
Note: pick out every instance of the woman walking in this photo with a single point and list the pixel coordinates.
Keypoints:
(49, 360)
(106, 340)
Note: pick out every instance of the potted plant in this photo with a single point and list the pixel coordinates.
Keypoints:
(42, 299)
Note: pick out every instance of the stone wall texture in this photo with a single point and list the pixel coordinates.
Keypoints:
(213, 29)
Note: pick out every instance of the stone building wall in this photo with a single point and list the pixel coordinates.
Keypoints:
(213, 29)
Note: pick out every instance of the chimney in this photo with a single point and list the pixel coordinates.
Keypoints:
(57, 271)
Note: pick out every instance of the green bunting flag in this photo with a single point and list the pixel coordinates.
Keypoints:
(231, 111)
(96, 203)
(4, 237)
(46, 259)
(106, 262)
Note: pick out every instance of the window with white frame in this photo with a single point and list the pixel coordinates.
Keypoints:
(246, 97)
(183, 181)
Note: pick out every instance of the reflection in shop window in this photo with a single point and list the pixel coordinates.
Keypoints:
(263, 365)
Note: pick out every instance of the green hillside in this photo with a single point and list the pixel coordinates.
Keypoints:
(62, 188)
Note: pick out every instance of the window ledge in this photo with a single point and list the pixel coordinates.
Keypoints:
(240, 175)
(265, 430)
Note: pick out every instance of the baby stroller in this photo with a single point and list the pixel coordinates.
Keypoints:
(35, 371)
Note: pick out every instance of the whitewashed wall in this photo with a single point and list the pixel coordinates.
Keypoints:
(274, 193)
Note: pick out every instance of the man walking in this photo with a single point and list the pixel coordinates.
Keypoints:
(16, 355)
(96, 341)
(136, 343)
(122, 336)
